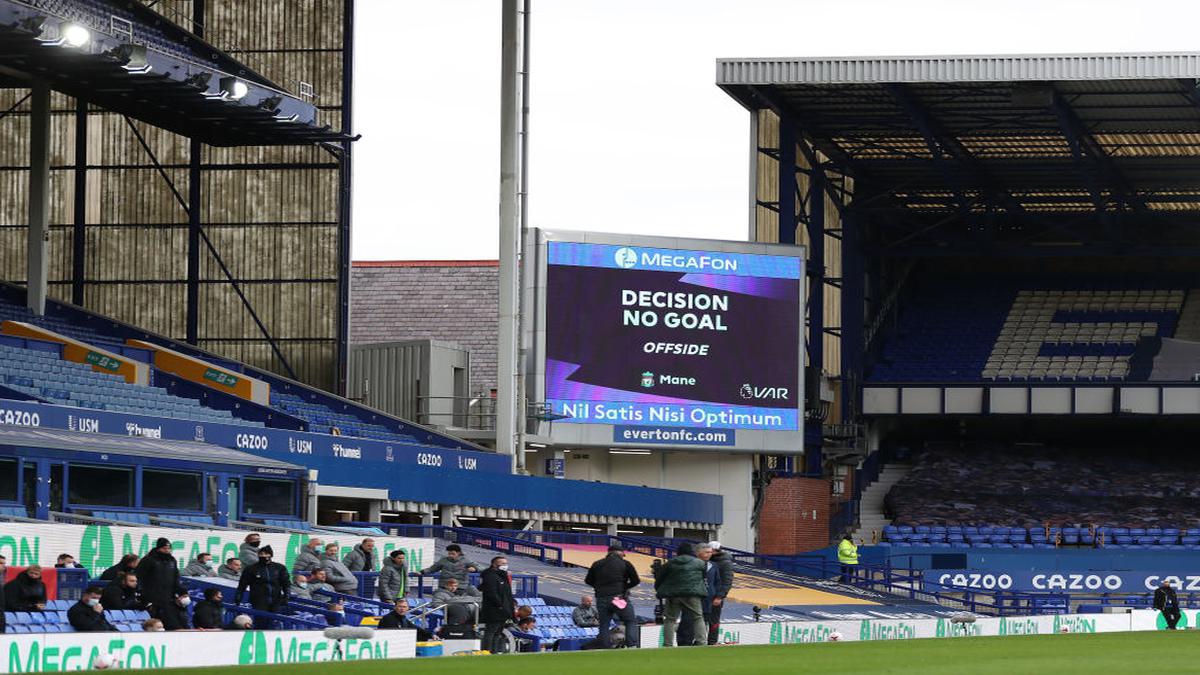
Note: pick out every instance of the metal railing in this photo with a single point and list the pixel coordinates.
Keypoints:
(501, 541)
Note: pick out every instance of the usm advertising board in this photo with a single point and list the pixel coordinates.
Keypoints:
(340, 460)
(98, 547)
(56, 652)
(652, 341)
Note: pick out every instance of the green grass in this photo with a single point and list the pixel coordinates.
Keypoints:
(1053, 654)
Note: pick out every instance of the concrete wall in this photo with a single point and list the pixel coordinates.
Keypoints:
(724, 474)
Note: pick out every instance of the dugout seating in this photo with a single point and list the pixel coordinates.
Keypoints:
(1041, 497)
(54, 619)
(1025, 330)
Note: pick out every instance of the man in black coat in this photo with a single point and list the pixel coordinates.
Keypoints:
(209, 613)
(612, 576)
(498, 606)
(158, 575)
(269, 584)
(397, 619)
(87, 615)
(128, 565)
(1166, 602)
(122, 593)
(174, 616)
(26, 593)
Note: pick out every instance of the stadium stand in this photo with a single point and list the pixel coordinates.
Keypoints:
(319, 412)
(54, 619)
(1039, 497)
(1026, 330)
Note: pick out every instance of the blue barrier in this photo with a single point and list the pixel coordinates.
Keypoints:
(71, 582)
(408, 472)
(524, 585)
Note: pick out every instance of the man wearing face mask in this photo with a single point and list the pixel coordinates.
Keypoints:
(498, 607)
(158, 574)
(122, 593)
(299, 587)
(87, 615)
(201, 566)
(248, 553)
(268, 583)
(175, 615)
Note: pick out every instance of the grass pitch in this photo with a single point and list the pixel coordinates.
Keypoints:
(1052, 654)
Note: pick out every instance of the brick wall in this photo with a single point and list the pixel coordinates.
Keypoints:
(451, 301)
(795, 516)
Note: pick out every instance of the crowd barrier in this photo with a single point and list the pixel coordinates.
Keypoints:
(78, 651)
(798, 632)
(98, 547)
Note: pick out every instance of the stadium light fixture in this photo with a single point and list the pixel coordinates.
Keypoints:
(234, 89)
(74, 35)
(629, 452)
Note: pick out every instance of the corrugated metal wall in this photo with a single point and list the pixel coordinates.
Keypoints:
(767, 228)
(275, 227)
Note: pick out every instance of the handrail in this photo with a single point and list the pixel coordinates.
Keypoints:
(187, 524)
(483, 538)
(68, 518)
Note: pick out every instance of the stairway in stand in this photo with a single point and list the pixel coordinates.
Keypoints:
(871, 519)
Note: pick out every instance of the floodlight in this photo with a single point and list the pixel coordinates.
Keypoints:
(234, 89)
(74, 35)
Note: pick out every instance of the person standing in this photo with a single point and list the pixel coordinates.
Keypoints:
(268, 584)
(452, 566)
(87, 615)
(158, 574)
(362, 558)
(498, 606)
(847, 554)
(1166, 602)
(612, 576)
(393, 578)
(718, 589)
(309, 558)
(248, 552)
(681, 586)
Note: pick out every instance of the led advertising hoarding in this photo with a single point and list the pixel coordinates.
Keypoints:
(673, 345)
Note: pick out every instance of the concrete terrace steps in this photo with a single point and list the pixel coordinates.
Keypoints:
(1189, 319)
(871, 508)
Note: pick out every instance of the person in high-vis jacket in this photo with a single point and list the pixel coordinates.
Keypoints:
(847, 554)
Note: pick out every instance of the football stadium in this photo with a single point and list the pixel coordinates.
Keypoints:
(931, 414)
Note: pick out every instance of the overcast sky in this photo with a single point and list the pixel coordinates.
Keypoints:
(628, 132)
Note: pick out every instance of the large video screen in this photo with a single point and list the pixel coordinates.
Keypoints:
(671, 338)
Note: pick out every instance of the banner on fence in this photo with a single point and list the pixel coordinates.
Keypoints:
(78, 651)
(796, 632)
(1065, 580)
(98, 547)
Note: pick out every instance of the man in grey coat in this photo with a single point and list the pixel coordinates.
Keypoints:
(232, 569)
(340, 576)
(309, 558)
(393, 578)
(362, 558)
(452, 566)
(452, 594)
(248, 553)
(300, 588)
(200, 566)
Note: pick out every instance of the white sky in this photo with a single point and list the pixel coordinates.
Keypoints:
(628, 133)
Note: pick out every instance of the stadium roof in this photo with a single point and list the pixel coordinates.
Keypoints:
(137, 63)
(1039, 136)
(135, 446)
